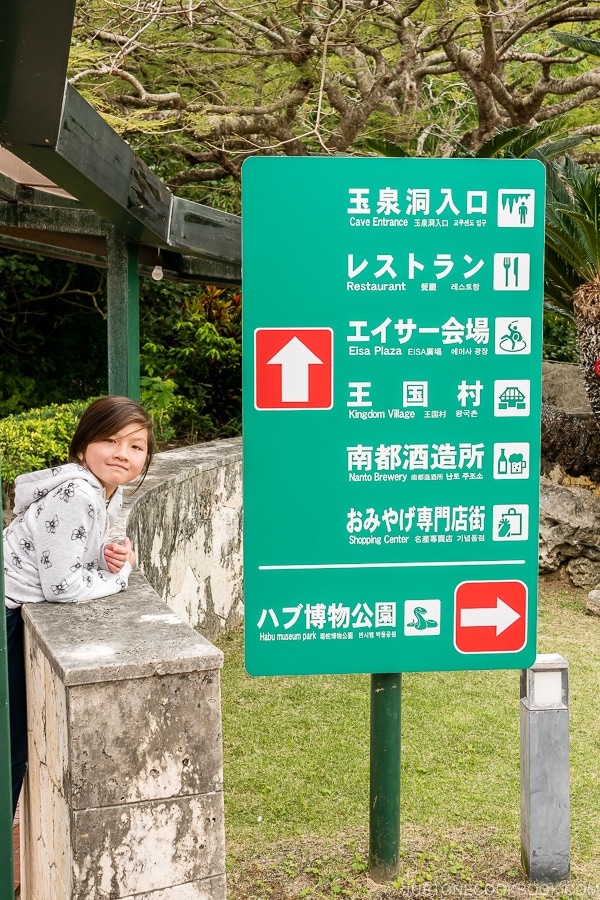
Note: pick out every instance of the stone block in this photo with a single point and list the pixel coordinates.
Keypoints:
(592, 606)
(124, 796)
(206, 889)
(147, 847)
(569, 531)
(173, 750)
(563, 387)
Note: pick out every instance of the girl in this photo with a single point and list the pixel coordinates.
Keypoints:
(55, 547)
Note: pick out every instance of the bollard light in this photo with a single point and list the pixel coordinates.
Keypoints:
(546, 684)
(545, 825)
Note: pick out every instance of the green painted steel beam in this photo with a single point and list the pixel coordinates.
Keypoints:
(46, 123)
(79, 235)
(66, 219)
(34, 51)
(123, 317)
(93, 163)
(6, 834)
(384, 810)
(213, 234)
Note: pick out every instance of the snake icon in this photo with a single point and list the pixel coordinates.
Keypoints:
(420, 622)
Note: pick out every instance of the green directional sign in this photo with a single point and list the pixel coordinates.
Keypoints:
(392, 391)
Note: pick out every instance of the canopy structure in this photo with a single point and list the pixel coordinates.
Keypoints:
(66, 177)
(72, 188)
(36, 215)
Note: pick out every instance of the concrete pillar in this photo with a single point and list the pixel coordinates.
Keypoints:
(124, 795)
(545, 827)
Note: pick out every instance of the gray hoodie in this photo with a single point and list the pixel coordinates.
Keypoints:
(53, 549)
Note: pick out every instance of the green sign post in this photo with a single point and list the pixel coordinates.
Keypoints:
(392, 393)
(392, 390)
(6, 834)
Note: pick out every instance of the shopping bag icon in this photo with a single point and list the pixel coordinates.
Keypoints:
(510, 523)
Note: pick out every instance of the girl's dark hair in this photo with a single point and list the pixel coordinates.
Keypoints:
(105, 417)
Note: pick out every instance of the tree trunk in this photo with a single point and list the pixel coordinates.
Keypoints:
(572, 442)
(586, 305)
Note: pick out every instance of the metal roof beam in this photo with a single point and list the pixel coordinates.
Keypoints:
(79, 235)
(46, 123)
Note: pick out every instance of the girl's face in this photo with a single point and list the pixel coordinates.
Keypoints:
(119, 458)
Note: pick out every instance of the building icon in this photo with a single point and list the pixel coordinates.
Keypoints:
(512, 398)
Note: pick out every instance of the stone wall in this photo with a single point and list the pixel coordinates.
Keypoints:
(186, 526)
(124, 794)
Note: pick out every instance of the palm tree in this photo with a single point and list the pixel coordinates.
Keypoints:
(572, 288)
(518, 142)
(572, 280)
(573, 247)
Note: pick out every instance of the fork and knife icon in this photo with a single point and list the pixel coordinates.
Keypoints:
(509, 263)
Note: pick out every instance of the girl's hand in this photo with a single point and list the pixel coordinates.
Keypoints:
(116, 555)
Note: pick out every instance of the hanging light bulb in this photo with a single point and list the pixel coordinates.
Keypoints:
(157, 273)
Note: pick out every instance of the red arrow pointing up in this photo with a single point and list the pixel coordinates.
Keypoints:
(295, 359)
(305, 377)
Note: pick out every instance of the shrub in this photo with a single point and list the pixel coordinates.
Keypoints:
(560, 338)
(36, 439)
(191, 359)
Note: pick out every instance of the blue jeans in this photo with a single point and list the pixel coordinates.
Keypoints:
(17, 700)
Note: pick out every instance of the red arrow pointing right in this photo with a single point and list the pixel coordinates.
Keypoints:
(501, 616)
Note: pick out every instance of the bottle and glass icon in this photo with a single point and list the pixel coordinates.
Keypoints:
(511, 460)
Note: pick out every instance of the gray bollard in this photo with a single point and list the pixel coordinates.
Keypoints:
(545, 827)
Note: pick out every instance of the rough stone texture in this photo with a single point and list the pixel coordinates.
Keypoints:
(583, 572)
(141, 765)
(124, 794)
(570, 532)
(207, 889)
(569, 516)
(45, 820)
(84, 645)
(563, 387)
(593, 603)
(145, 847)
(186, 526)
(126, 754)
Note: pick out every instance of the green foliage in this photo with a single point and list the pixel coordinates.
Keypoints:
(213, 83)
(17, 392)
(191, 359)
(577, 42)
(560, 338)
(507, 143)
(52, 331)
(158, 399)
(37, 439)
(572, 231)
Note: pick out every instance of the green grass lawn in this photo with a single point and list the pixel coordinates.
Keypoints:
(297, 776)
